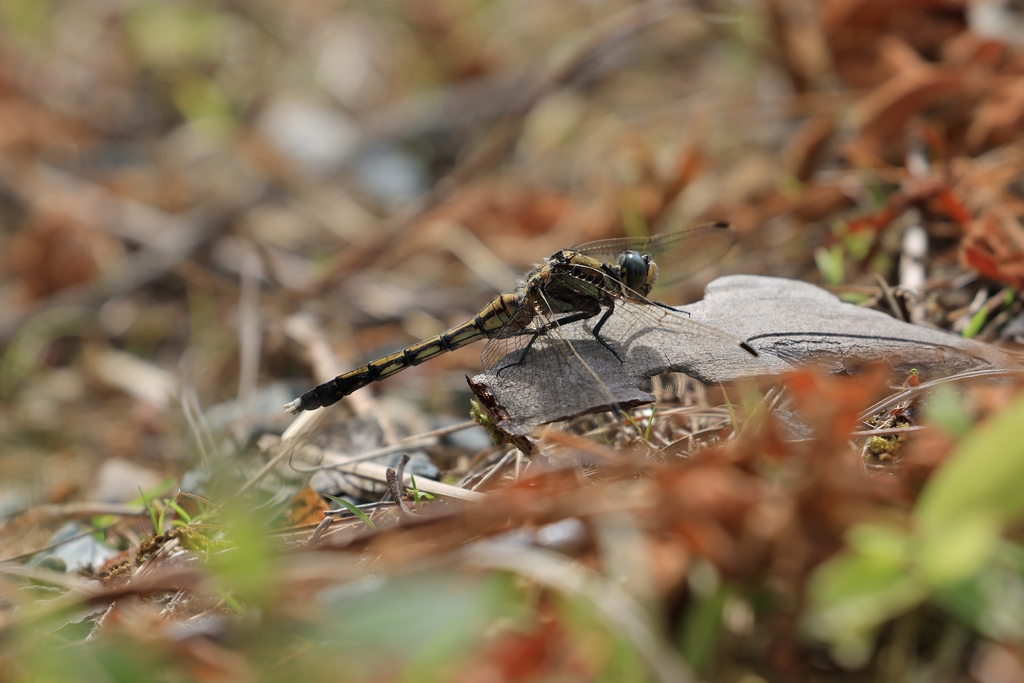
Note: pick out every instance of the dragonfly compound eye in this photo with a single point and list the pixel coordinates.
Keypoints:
(633, 270)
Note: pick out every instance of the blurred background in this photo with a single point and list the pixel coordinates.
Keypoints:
(179, 179)
(208, 207)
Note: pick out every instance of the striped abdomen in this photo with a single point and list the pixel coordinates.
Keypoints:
(486, 324)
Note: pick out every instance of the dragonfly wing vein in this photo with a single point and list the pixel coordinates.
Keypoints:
(678, 254)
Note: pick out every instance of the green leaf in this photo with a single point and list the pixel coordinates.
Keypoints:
(858, 244)
(155, 491)
(152, 513)
(978, 321)
(853, 297)
(884, 543)
(830, 264)
(992, 600)
(26, 18)
(983, 477)
(703, 630)
(422, 624)
(946, 410)
(181, 511)
(230, 601)
(355, 511)
(417, 495)
(854, 593)
(245, 567)
(204, 105)
(633, 221)
(958, 551)
(173, 35)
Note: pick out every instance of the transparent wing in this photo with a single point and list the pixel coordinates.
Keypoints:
(509, 343)
(562, 375)
(568, 371)
(678, 254)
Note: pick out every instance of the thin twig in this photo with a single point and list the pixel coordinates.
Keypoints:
(890, 299)
(193, 426)
(888, 431)
(497, 466)
(907, 394)
(321, 528)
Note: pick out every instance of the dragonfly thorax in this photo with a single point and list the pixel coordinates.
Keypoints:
(636, 271)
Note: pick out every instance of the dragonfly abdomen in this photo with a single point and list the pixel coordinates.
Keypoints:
(486, 323)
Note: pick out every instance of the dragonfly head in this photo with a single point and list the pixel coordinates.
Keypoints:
(637, 271)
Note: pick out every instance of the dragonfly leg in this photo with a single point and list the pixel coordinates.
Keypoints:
(597, 330)
(522, 356)
(671, 308)
(543, 329)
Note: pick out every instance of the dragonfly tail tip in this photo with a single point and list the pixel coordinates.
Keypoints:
(295, 407)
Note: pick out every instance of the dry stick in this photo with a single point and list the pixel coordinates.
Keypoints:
(695, 411)
(320, 529)
(375, 472)
(400, 474)
(890, 298)
(303, 329)
(289, 442)
(396, 489)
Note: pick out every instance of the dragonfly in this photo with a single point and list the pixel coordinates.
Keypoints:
(591, 281)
